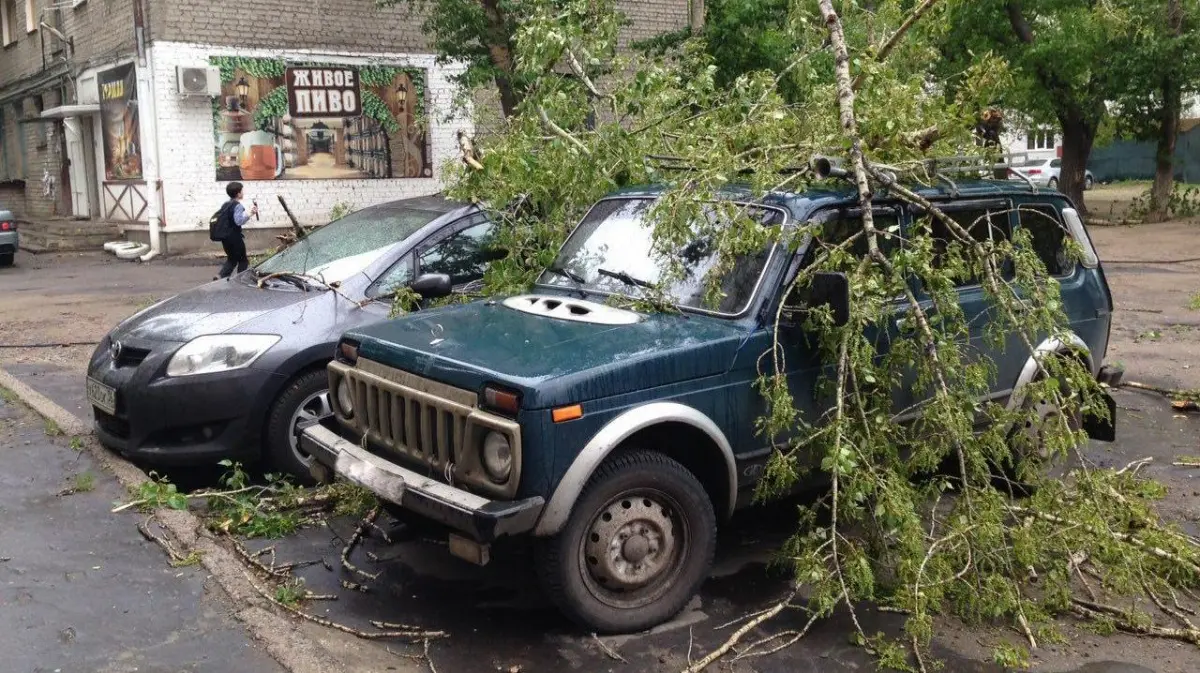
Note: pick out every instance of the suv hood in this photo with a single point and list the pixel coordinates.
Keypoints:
(212, 308)
(551, 361)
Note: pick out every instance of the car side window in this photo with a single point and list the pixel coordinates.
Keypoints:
(393, 279)
(983, 223)
(463, 255)
(1049, 236)
(1057, 163)
(837, 226)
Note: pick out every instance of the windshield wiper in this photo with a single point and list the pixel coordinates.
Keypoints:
(300, 280)
(570, 275)
(625, 278)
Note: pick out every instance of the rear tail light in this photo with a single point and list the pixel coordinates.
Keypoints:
(8, 226)
(1034, 171)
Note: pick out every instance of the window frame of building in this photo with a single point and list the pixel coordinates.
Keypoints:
(31, 23)
(7, 22)
(1041, 139)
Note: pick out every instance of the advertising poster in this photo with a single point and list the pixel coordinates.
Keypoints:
(319, 121)
(119, 117)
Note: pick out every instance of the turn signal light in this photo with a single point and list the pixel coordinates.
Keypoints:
(564, 414)
(348, 352)
(501, 400)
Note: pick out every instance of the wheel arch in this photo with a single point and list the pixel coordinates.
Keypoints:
(1070, 345)
(713, 464)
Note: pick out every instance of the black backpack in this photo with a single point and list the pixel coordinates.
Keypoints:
(220, 225)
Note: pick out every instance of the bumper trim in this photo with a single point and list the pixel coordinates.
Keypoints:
(481, 519)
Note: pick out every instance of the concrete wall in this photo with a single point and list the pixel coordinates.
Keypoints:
(191, 192)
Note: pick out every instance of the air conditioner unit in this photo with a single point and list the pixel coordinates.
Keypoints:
(87, 93)
(203, 81)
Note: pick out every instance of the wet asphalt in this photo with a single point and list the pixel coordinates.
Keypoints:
(80, 590)
(500, 621)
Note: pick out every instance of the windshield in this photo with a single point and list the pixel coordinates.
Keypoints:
(612, 252)
(345, 247)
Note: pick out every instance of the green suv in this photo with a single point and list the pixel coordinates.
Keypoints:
(621, 439)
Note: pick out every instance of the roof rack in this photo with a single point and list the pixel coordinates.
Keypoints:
(938, 167)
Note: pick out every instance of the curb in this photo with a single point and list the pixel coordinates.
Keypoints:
(283, 638)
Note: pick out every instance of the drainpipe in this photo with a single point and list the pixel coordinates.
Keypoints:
(148, 129)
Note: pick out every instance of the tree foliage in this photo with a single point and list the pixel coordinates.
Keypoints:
(933, 516)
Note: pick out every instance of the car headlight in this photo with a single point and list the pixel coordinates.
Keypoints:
(219, 353)
(497, 457)
(345, 398)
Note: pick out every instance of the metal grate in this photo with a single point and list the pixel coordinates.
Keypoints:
(437, 425)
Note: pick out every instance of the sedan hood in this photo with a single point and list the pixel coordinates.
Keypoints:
(213, 308)
(551, 361)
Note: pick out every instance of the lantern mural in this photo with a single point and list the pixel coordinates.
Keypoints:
(319, 121)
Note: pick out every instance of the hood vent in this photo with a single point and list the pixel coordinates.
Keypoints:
(565, 308)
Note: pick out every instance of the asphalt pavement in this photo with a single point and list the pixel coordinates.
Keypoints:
(80, 590)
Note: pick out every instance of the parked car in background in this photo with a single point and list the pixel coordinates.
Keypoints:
(9, 239)
(619, 438)
(228, 369)
(1045, 172)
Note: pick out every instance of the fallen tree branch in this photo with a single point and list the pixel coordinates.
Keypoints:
(1169, 392)
(144, 529)
(561, 133)
(367, 521)
(739, 634)
(252, 559)
(894, 40)
(1123, 537)
(1123, 621)
(412, 635)
(608, 650)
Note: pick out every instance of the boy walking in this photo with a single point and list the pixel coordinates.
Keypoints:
(231, 219)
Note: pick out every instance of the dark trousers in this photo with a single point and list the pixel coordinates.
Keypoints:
(235, 256)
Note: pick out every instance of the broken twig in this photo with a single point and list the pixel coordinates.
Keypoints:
(367, 522)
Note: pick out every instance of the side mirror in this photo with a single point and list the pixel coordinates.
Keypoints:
(832, 289)
(432, 285)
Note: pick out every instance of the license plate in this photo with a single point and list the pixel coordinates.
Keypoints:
(101, 396)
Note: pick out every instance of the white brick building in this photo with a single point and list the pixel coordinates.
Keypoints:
(98, 138)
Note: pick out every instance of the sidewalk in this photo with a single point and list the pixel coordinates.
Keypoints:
(80, 590)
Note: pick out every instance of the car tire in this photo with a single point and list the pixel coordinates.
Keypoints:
(6, 259)
(1053, 184)
(1029, 450)
(305, 398)
(638, 505)
(1088, 183)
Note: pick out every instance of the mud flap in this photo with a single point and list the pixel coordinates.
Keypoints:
(1101, 429)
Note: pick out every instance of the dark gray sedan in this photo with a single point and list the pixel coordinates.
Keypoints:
(228, 369)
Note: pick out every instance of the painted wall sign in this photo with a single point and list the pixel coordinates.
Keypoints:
(320, 92)
(119, 118)
(319, 121)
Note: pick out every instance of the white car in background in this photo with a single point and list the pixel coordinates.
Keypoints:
(1044, 173)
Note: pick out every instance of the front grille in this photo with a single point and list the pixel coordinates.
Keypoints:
(131, 357)
(114, 426)
(437, 425)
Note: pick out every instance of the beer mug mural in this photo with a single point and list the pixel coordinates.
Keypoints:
(261, 158)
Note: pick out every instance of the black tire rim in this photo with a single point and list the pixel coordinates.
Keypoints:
(315, 407)
(634, 548)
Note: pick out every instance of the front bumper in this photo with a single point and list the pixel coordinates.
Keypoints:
(480, 519)
(177, 421)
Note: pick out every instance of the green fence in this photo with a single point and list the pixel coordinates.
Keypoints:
(1129, 160)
